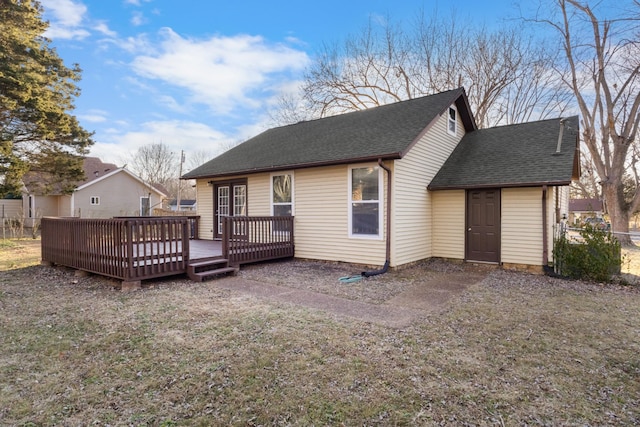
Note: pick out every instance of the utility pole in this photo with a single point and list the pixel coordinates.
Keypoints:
(179, 182)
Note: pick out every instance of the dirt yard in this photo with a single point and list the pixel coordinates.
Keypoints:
(511, 349)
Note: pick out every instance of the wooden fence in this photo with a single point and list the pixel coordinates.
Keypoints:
(129, 249)
(253, 239)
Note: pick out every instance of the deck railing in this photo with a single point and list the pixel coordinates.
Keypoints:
(194, 221)
(129, 249)
(253, 239)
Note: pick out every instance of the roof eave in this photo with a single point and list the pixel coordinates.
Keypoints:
(373, 158)
(499, 185)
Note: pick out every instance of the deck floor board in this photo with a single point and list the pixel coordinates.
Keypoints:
(199, 249)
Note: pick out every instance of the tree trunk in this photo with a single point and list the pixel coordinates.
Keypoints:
(618, 214)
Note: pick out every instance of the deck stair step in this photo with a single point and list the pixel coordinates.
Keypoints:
(201, 270)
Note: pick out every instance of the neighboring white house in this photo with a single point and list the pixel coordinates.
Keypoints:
(186, 205)
(401, 183)
(106, 192)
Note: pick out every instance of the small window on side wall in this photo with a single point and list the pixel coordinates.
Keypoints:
(95, 200)
(452, 124)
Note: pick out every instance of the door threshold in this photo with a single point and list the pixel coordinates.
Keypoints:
(482, 262)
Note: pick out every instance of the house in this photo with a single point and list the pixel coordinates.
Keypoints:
(186, 205)
(106, 192)
(401, 183)
(585, 208)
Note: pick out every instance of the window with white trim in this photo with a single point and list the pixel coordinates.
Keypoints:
(452, 123)
(145, 206)
(95, 200)
(282, 195)
(365, 202)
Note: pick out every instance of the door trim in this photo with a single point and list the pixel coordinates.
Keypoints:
(231, 184)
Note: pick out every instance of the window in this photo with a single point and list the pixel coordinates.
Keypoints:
(145, 206)
(31, 203)
(365, 194)
(281, 195)
(240, 200)
(453, 121)
(223, 206)
(95, 200)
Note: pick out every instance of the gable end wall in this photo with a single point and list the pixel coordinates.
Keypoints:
(412, 210)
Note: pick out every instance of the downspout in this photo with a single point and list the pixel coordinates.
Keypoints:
(545, 251)
(388, 227)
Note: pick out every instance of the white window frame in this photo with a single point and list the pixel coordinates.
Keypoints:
(272, 203)
(451, 121)
(380, 202)
(141, 210)
(94, 200)
(31, 206)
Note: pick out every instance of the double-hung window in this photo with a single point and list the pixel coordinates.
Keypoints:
(281, 199)
(365, 202)
(95, 200)
(282, 195)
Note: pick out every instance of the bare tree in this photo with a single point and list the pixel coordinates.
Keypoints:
(156, 164)
(505, 76)
(197, 158)
(601, 66)
(587, 186)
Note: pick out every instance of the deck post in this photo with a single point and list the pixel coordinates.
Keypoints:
(225, 236)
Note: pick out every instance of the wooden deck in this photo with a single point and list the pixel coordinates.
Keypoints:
(133, 249)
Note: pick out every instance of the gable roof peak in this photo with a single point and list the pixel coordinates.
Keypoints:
(386, 132)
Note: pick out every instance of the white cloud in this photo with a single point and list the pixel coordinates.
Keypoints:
(103, 28)
(173, 105)
(178, 135)
(136, 2)
(94, 116)
(137, 19)
(220, 72)
(133, 45)
(66, 18)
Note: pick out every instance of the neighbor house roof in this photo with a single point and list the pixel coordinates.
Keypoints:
(585, 205)
(94, 168)
(386, 132)
(513, 156)
(155, 188)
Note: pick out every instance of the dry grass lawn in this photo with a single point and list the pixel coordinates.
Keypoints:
(19, 253)
(515, 349)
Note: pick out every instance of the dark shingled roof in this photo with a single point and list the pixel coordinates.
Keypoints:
(585, 205)
(93, 167)
(513, 156)
(383, 132)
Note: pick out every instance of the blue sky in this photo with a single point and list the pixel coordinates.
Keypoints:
(200, 75)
